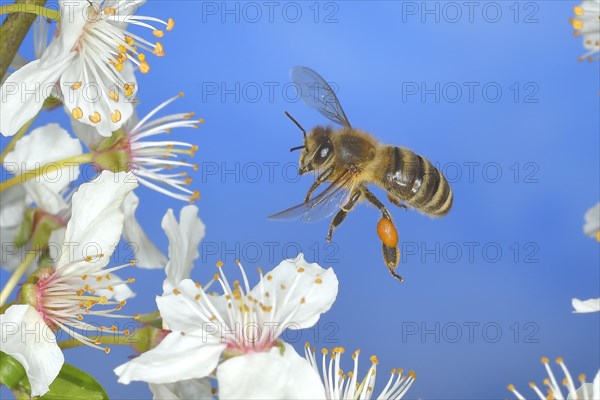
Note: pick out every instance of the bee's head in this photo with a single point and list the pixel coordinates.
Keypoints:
(317, 150)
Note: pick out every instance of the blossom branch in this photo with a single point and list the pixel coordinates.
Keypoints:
(13, 31)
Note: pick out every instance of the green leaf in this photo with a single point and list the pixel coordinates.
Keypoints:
(74, 384)
(70, 384)
(12, 373)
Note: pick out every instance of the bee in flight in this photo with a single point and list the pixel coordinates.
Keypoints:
(350, 159)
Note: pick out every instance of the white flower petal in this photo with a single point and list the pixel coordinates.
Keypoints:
(93, 97)
(24, 92)
(269, 375)
(147, 254)
(178, 357)
(312, 294)
(181, 311)
(586, 306)
(596, 385)
(184, 238)
(45, 145)
(12, 210)
(96, 221)
(38, 353)
(73, 18)
(592, 221)
(191, 389)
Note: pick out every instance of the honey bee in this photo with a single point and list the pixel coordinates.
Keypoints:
(350, 159)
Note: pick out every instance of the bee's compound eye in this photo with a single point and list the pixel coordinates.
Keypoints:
(323, 152)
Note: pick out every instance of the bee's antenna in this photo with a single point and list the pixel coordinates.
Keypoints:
(296, 148)
(297, 124)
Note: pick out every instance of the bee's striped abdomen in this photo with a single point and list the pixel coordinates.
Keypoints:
(413, 179)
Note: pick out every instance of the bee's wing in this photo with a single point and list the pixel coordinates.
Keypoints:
(323, 205)
(316, 93)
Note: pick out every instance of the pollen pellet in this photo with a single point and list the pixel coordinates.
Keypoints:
(387, 232)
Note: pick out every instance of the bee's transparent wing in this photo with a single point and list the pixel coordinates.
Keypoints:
(323, 205)
(316, 93)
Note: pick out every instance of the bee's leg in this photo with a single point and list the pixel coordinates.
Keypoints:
(320, 179)
(391, 255)
(339, 217)
(396, 202)
(375, 201)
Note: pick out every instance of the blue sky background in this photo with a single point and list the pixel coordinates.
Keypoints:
(523, 163)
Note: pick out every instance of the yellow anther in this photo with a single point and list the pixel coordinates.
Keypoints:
(196, 194)
(126, 332)
(110, 288)
(170, 24)
(95, 118)
(118, 67)
(324, 351)
(103, 300)
(532, 385)
(113, 95)
(136, 316)
(131, 280)
(577, 24)
(80, 317)
(374, 360)
(188, 181)
(107, 276)
(318, 281)
(195, 167)
(159, 50)
(269, 277)
(84, 277)
(198, 285)
(307, 345)
(201, 121)
(110, 10)
(79, 292)
(98, 278)
(76, 85)
(129, 40)
(116, 116)
(219, 264)
(197, 297)
(564, 382)
(300, 269)
(189, 115)
(176, 291)
(107, 350)
(144, 67)
(158, 33)
(545, 360)
(412, 374)
(511, 387)
(77, 113)
(577, 10)
(302, 301)
(559, 360)
(581, 377)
